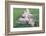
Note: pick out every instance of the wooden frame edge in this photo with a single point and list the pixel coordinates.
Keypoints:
(6, 27)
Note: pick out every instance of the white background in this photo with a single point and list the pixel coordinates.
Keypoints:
(29, 28)
(2, 18)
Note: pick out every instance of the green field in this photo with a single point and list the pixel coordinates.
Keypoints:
(17, 12)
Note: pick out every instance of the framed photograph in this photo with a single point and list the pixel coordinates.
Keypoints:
(24, 17)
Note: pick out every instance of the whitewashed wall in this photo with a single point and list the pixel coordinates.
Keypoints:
(2, 17)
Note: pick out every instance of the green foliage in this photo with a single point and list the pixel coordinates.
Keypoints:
(17, 12)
